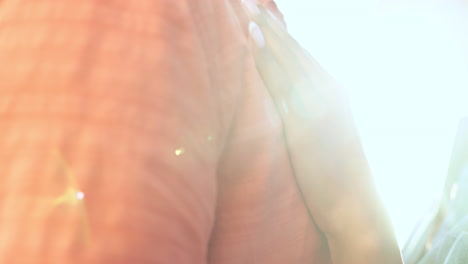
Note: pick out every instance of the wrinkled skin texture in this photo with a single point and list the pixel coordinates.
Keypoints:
(140, 132)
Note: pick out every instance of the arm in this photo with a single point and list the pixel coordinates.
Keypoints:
(105, 112)
(326, 154)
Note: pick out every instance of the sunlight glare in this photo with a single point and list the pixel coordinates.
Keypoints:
(406, 72)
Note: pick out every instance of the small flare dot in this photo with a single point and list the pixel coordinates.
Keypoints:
(179, 152)
(79, 195)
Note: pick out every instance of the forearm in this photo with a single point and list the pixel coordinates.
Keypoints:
(364, 235)
(359, 249)
(355, 224)
(338, 188)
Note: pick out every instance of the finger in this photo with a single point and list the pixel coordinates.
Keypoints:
(273, 56)
(280, 43)
(266, 19)
(294, 107)
(304, 89)
(289, 55)
(282, 46)
(280, 37)
(272, 73)
(314, 92)
(296, 61)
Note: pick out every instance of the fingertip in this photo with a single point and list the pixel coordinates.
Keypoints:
(275, 13)
(256, 35)
(252, 7)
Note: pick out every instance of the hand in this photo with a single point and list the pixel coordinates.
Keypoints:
(319, 129)
(326, 153)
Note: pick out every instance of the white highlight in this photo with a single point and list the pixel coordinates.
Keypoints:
(404, 67)
(80, 195)
(454, 192)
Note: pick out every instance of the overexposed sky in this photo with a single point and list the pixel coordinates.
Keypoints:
(405, 65)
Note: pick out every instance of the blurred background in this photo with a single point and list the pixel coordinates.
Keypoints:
(405, 66)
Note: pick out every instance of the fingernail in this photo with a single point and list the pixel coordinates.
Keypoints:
(256, 35)
(251, 6)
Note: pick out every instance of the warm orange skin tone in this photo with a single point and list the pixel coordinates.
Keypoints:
(153, 110)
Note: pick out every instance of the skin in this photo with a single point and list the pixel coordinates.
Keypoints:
(103, 161)
(94, 149)
(330, 166)
(129, 133)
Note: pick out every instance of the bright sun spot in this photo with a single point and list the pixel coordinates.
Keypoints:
(179, 152)
(406, 72)
(79, 195)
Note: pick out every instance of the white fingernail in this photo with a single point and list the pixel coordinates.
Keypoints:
(256, 35)
(251, 6)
